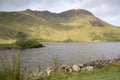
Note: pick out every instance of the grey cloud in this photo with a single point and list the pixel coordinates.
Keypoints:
(107, 10)
(10, 5)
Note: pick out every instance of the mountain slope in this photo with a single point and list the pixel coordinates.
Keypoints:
(71, 25)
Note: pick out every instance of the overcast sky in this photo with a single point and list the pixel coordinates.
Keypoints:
(107, 10)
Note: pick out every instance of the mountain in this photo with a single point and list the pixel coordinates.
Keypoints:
(71, 25)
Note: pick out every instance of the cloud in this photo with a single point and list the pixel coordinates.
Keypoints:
(107, 10)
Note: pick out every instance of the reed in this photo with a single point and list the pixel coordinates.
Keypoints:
(10, 67)
(56, 62)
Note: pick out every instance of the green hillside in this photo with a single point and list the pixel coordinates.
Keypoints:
(72, 25)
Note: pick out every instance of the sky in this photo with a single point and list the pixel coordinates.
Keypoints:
(107, 10)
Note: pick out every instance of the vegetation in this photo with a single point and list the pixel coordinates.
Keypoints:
(109, 72)
(21, 36)
(107, 37)
(10, 70)
(46, 26)
(9, 46)
(28, 44)
(22, 44)
(10, 67)
(68, 40)
(56, 62)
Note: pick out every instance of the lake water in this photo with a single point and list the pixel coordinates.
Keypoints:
(67, 53)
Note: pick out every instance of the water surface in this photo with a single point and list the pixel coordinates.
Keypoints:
(67, 53)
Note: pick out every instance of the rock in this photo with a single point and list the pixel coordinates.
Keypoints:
(84, 69)
(89, 68)
(80, 65)
(49, 70)
(96, 63)
(66, 68)
(76, 68)
(116, 60)
(63, 67)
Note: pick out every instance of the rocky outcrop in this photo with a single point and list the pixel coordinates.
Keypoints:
(66, 68)
(73, 68)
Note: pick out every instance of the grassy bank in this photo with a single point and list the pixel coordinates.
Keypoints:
(10, 67)
(10, 70)
(22, 44)
(108, 72)
(8, 41)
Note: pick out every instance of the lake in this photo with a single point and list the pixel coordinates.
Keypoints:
(67, 53)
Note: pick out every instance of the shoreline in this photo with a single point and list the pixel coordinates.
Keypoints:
(76, 68)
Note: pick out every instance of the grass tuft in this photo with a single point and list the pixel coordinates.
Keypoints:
(10, 67)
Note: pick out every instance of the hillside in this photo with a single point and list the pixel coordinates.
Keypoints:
(72, 25)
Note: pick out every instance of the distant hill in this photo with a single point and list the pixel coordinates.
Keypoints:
(72, 25)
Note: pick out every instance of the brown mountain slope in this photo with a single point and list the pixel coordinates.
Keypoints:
(71, 25)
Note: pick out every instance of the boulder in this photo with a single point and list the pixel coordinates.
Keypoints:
(76, 68)
(80, 65)
(89, 68)
(66, 68)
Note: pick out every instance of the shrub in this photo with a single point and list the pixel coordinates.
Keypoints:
(68, 40)
(28, 44)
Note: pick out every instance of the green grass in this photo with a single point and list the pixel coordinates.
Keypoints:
(108, 72)
(10, 70)
(9, 46)
(107, 37)
(10, 67)
(22, 44)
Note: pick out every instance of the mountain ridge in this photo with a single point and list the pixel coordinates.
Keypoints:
(76, 25)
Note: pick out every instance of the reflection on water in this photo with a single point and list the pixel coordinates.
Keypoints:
(67, 53)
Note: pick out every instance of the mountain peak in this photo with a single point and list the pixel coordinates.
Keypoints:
(71, 25)
(74, 12)
(78, 11)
